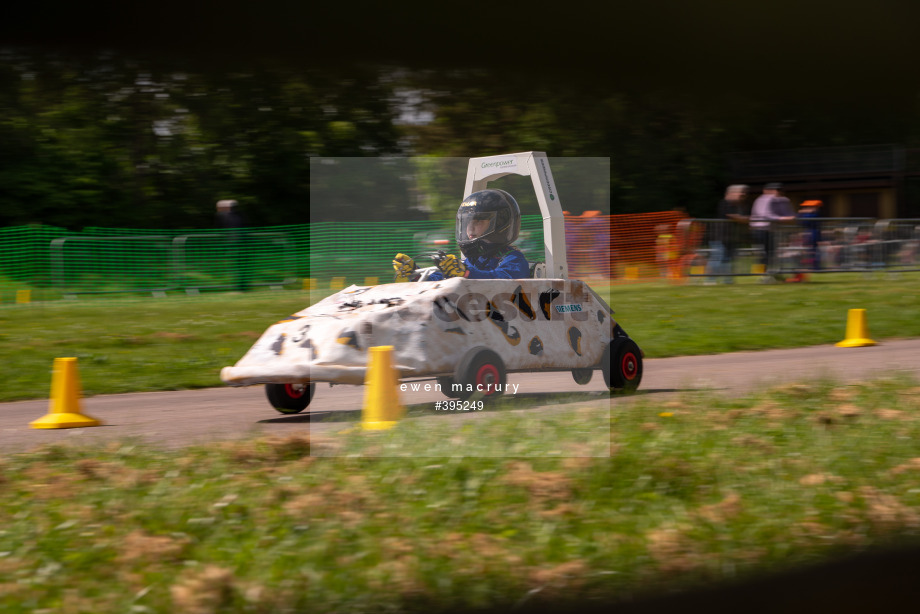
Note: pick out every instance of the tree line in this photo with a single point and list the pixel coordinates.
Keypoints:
(127, 140)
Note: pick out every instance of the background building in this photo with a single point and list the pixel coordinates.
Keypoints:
(856, 181)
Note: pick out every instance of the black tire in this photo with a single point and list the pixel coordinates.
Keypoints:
(480, 367)
(447, 386)
(290, 398)
(582, 376)
(622, 365)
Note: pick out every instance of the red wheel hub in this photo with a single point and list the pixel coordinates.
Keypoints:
(295, 391)
(629, 366)
(487, 378)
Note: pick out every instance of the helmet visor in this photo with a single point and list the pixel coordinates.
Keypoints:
(472, 225)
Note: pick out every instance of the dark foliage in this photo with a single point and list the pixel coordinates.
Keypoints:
(145, 114)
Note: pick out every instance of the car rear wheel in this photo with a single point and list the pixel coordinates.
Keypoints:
(290, 398)
(582, 376)
(447, 386)
(622, 365)
(481, 374)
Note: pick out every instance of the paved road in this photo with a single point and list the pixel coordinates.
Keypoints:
(174, 419)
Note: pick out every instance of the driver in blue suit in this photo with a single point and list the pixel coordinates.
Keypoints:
(488, 222)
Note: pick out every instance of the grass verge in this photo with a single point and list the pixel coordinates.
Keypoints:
(701, 489)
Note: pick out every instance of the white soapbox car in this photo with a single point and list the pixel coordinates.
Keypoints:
(467, 334)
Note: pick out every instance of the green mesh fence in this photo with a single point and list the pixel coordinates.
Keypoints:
(49, 262)
(358, 250)
(53, 262)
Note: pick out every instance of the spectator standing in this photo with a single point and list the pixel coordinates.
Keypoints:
(572, 242)
(769, 209)
(666, 250)
(596, 244)
(725, 234)
(231, 219)
(811, 237)
(229, 215)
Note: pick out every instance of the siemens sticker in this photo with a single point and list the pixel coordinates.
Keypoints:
(567, 308)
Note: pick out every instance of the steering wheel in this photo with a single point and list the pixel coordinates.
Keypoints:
(422, 274)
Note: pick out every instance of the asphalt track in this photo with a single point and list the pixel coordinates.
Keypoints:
(180, 418)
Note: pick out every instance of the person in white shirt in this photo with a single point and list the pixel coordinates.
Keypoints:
(770, 208)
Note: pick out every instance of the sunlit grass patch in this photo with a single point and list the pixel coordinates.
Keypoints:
(700, 488)
(516, 430)
(134, 346)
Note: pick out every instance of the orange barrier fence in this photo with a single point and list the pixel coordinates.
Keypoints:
(627, 247)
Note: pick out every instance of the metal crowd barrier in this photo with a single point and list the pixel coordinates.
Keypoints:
(232, 258)
(103, 263)
(716, 248)
(900, 243)
(157, 264)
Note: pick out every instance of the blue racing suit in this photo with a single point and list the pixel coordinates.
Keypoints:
(509, 263)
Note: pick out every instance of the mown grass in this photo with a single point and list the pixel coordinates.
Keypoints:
(133, 346)
(670, 320)
(701, 488)
(175, 343)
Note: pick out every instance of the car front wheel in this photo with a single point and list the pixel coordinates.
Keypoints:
(290, 398)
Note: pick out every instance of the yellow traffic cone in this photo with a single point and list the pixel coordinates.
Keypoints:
(381, 397)
(857, 330)
(64, 409)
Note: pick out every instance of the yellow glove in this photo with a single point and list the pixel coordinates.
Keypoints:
(404, 266)
(451, 267)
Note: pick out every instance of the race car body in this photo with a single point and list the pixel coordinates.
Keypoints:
(466, 333)
(532, 324)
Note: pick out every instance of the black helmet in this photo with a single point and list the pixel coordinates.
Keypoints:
(503, 215)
